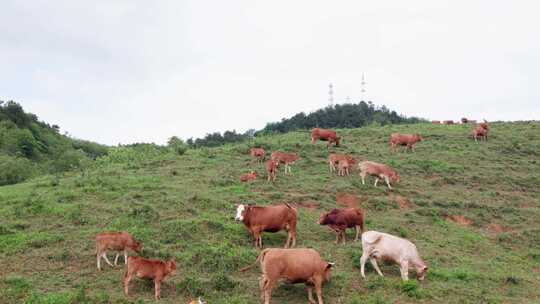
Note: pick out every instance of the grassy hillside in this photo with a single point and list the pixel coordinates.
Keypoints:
(473, 211)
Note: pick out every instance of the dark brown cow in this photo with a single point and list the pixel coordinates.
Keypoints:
(148, 269)
(116, 241)
(285, 158)
(464, 120)
(259, 219)
(325, 135)
(271, 169)
(248, 176)
(408, 140)
(334, 158)
(341, 219)
(301, 265)
(257, 153)
(448, 122)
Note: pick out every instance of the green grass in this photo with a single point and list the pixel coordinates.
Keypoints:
(182, 207)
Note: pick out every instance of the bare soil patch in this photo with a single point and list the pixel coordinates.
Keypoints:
(459, 219)
(347, 200)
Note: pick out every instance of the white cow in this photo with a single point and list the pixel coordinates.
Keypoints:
(383, 246)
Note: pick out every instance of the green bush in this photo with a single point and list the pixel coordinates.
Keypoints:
(14, 169)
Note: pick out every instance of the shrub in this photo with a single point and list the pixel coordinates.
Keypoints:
(14, 169)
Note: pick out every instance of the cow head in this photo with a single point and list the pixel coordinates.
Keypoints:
(421, 273)
(137, 246)
(253, 173)
(328, 271)
(394, 177)
(323, 219)
(240, 212)
(171, 267)
(418, 137)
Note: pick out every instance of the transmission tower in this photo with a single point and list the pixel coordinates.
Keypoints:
(363, 87)
(331, 94)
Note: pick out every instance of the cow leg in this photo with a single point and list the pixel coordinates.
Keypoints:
(116, 259)
(343, 235)
(387, 182)
(358, 229)
(157, 286)
(404, 268)
(318, 290)
(98, 256)
(127, 278)
(337, 237)
(125, 256)
(363, 260)
(374, 263)
(363, 176)
(268, 291)
(104, 255)
(376, 181)
(310, 294)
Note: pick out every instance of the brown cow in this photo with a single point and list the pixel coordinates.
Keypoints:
(341, 219)
(379, 171)
(479, 133)
(248, 176)
(257, 153)
(271, 169)
(116, 241)
(408, 140)
(148, 269)
(294, 266)
(334, 158)
(286, 158)
(436, 122)
(258, 219)
(448, 122)
(325, 135)
(343, 167)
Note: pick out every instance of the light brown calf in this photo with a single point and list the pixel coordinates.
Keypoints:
(293, 266)
(271, 169)
(257, 153)
(116, 241)
(380, 171)
(334, 158)
(148, 269)
(325, 135)
(343, 167)
(248, 176)
(285, 158)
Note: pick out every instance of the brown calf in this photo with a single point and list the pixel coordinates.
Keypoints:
(271, 169)
(148, 269)
(259, 219)
(408, 140)
(379, 171)
(248, 176)
(325, 135)
(334, 158)
(285, 158)
(341, 219)
(257, 153)
(343, 167)
(294, 266)
(115, 241)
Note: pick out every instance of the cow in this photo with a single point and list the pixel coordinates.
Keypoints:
(285, 158)
(343, 167)
(116, 241)
(471, 121)
(341, 219)
(334, 158)
(408, 140)
(436, 122)
(148, 269)
(248, 176)
(259, 219)
(383, 246)
(271, 169)
(379, 171)
(448, 122)
(484, 125)
(257, 153)
(464, 120)
(294, 266)
(479, 133)
(325, 135)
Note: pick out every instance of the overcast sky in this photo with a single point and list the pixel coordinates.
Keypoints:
(131, 71)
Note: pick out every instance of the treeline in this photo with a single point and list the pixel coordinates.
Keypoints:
(29, 146)
(347, 115)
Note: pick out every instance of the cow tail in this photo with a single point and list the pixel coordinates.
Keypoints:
(260, 258)
(362, 221)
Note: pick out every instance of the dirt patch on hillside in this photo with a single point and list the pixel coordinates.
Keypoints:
(496, 228)
(403, 202)
(459, 219)
(347, 200)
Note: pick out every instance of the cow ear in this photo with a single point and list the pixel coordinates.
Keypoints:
(330, 265)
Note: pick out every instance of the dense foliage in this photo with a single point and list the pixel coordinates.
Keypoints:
(29, 146)
(347, 115)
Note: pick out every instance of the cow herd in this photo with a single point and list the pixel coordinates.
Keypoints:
(294, 265)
